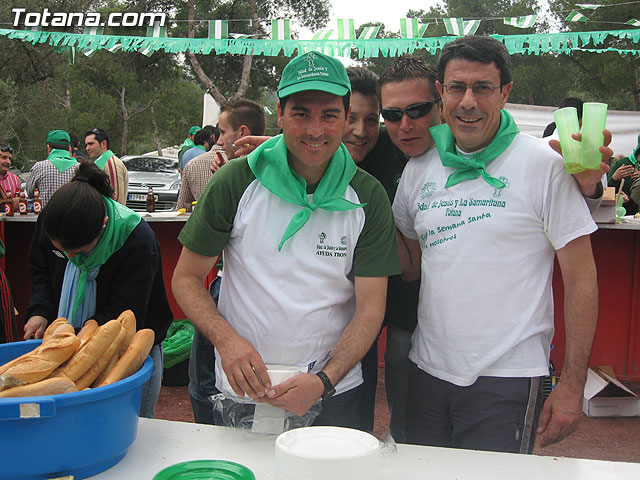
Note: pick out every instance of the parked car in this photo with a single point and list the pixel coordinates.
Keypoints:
(159, 173)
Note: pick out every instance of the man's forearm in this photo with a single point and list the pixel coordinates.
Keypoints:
(359, 333)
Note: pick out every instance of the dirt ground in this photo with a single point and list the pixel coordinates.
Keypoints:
(616, 439)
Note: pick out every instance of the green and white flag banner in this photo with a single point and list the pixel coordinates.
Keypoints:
(369, 33)
(576, 16)
(411, 28)
(155, 31)
(460, 27)
(521, 22)
(323, 34)
(345, 29)
(91, 31)
(633, 22)
(218, 29)
(527, 44)
(588, 6)
(280, 29)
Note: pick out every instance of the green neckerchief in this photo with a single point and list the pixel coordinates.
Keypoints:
(120, 223)
(269, 164)
(61, 159)
(632, 159)
(201, 147)
(187, 143)
(471, 168)
(102, 160)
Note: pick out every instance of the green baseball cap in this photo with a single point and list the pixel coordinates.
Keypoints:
(195, 129)
(314, 71)
(58, 136)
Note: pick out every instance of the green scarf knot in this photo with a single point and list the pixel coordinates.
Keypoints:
(102, 160)
(61, 159)
(269, 164)
(472, 168)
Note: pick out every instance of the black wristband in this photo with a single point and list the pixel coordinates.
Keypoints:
(329, 389)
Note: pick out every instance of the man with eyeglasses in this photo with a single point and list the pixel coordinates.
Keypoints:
(58, 168)
(482, 216)
(9, 181)
(97, 144)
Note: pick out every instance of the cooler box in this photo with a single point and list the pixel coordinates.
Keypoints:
(80, 433)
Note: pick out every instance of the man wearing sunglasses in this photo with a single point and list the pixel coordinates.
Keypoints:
(97, 144)
(9, 181)
(483, 215)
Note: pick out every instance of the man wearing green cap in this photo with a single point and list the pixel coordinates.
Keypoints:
(188, 142)
(57, 169)
(308, 243)
(627, 168)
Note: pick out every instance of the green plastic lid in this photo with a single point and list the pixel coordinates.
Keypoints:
(205, 470)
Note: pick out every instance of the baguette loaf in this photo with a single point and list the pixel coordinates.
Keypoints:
(133, 358)
(88, 329)
(52, 328)
(49, 386)
(107, 370)
(41, 362)
(101, 363)
(128, 321)
(91, 350)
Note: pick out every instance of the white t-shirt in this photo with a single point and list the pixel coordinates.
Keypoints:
(486, 305)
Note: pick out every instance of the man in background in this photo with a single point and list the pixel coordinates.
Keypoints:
(98, 144)
(188, 142)
(57, 169)
(9, 181)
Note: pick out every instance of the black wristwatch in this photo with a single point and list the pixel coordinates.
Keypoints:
(329, 390)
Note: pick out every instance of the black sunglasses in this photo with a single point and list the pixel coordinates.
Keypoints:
(414, 111)
(6, 148)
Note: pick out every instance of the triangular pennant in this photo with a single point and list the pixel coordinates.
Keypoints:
(72, 55)
(471, 27)
(92, 31)
(633, 22)
(322, 34)
(411, 28)
(576, 16)
(521, 22)
(369, 33)
(460, 27)
(588, 6)
(280, 29)
(219, 29)
(345, 28)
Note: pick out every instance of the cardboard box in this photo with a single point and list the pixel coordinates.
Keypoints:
(605, 396)
(606, 212)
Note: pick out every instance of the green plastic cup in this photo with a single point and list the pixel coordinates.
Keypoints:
(567, 123)
(594, 119)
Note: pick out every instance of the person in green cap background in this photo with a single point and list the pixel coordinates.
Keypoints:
(627, 168)
(308, 242)
(91, 257)
(188, 142)
(57, 169)
(98, 144)
(482, 217)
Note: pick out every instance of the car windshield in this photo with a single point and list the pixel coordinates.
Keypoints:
(152, 164)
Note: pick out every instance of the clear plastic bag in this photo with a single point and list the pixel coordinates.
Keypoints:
(259, 417)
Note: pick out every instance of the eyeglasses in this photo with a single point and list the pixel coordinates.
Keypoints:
(414, 111)
(482, 90)
(95, 131)
(6, 148)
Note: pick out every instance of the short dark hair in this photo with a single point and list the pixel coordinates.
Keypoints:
(100, 135)
(214, 133)
(410, 66)
(475, 48)
(363, 80)
(202, 136)
(75, 213)
(572, 102)
(242, 111)
(58, 146)
(346, 101)
(74, 141)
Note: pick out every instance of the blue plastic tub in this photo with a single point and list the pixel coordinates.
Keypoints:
(79, 434)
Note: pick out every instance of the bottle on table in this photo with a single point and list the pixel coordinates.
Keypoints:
(8, 207)
(151, 201)
(22, 206)
(37, 202)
